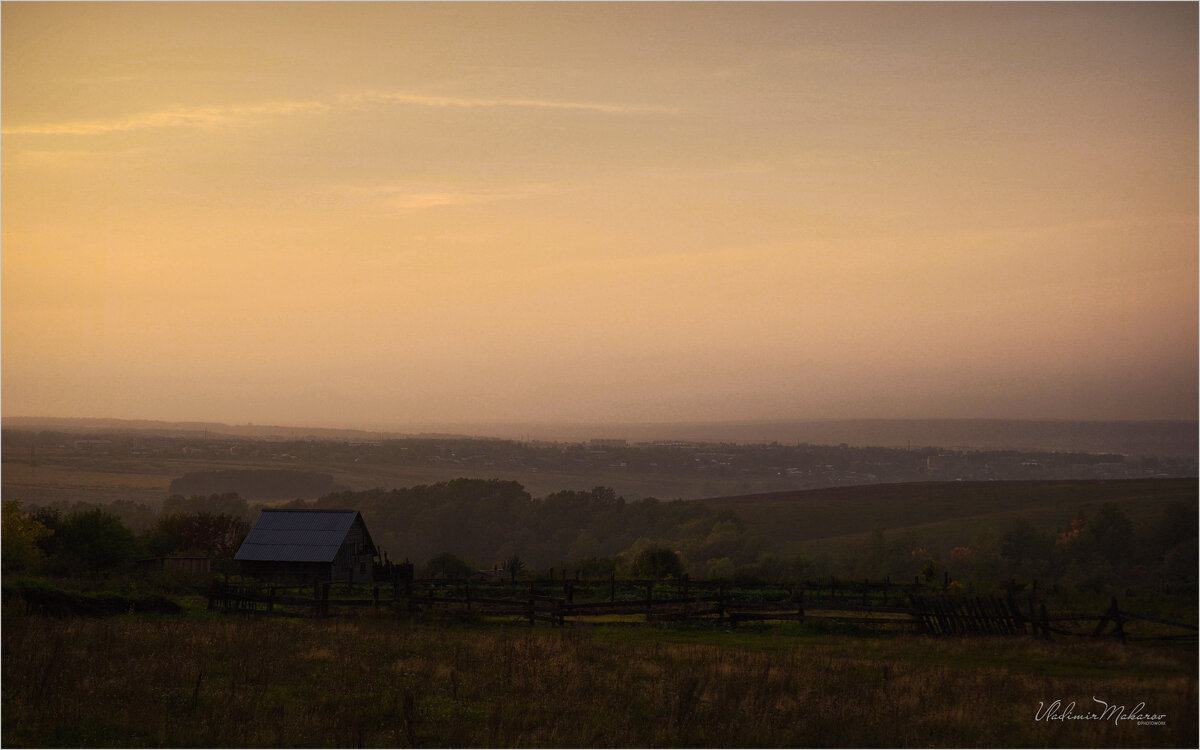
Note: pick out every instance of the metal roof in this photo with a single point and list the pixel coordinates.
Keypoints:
(298, 535)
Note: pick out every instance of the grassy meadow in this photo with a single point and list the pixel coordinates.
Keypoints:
(379, 681)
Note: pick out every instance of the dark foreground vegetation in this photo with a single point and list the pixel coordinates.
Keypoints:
(100, 652)
(376, 680)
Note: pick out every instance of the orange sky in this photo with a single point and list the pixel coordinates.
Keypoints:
(381, 214)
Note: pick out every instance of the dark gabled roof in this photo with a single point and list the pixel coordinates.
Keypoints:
(298, 535)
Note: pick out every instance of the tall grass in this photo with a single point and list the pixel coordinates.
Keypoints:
(376, 681)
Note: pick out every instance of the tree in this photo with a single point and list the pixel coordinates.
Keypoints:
(448, 566)
(21, 536)
(1113, 532)
(94, 541)
(656, 562)
(873, 553)
(513, 566)
(1021, 542)
(229, 504)
(217, 535)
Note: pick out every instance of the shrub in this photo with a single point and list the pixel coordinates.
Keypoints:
(656, 562)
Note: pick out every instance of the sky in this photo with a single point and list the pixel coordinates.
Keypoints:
(375, 215)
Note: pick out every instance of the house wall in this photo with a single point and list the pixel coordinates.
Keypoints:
(354, 560)
(286, 572)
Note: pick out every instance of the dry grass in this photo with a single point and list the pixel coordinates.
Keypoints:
(375, 681)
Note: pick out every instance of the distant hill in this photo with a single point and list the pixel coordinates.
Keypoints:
(257, 484)
(99, 426)
(948, 513)
(1131, 438)
(1177, 438)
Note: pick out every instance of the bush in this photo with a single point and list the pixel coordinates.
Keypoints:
(656, 562)
(48, 600)
(448, 566)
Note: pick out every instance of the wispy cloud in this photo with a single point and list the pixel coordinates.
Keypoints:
(429, 100)
(174, 117)
(250, 114)
(389, 198)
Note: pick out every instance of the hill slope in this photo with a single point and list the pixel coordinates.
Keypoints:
(945, 513)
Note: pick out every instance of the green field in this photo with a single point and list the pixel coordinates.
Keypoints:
(378, 681)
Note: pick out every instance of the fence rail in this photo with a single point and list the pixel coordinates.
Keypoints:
(915, 607)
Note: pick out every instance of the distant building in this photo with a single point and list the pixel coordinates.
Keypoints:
(93, 446)
(308, 545)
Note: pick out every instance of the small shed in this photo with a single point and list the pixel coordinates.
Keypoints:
(193, 566)
(308, 545)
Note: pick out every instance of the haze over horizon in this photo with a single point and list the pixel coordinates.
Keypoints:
(373, 214)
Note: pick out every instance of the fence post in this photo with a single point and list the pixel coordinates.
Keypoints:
(918, 613)
(1045, 621)
(649, 600)
(1033, 623)
(531, 606)
(375, 597)
(612, 587)
(800, 604)
(1114, 615)
(1014, 612)
(1120, 622)
(685, 585)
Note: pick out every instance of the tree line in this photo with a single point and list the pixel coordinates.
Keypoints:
(462, 526)
(87, 541)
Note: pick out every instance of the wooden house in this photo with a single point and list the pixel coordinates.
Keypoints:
(303, 546)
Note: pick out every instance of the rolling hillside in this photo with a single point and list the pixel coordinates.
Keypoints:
(944, 513)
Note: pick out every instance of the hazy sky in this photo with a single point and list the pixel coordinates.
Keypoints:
(377, 214)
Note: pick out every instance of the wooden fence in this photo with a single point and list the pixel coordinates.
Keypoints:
(884, 605)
